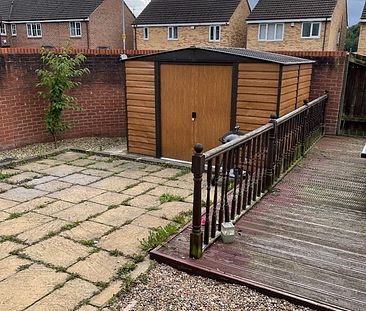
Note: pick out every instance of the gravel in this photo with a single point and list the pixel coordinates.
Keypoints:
(170, 289)
(89, 143)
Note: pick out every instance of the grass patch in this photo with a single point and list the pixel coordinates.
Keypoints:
(132, 185)
(167, 197)
(113, 206)
(182, 172)
(115, 253)
(101, 285)
(28, 186)
(89, 243)
(41, 206)
(158, 236)
(183, 218)
(70, 226)
(5, 175)
(126, 202)
(10, 238)
(23, 267)
(15, 215)
(155, 208)
(126, 268)
(137, 258)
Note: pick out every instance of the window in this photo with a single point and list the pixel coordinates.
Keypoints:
(2, 29)
(13, 29)
(146, 33)
(214, 33)
(310, 30)
(270, 32)
(173, 33)
(34, 30)
(75, 29)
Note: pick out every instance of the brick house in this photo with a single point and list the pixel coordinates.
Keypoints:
(298, 25)
(171, 24)
(362, 38)
(86, 24)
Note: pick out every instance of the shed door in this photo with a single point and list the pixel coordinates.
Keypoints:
(200, 91)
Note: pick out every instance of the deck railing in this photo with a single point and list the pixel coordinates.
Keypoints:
(231, 178)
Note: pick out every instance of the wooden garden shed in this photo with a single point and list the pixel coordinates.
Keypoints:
(178, 98)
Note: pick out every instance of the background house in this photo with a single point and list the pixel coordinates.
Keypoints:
(170, 24)
(362, 38)
(86, 24)
(298, 25)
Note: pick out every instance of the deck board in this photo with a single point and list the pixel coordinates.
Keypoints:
(305, 241)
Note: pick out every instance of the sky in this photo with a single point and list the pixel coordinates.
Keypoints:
(354, 8)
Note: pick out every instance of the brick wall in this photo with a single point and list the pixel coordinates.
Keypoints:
(22, 111)
(328, 74)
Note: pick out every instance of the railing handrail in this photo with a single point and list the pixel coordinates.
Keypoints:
(210, 154)
(300, 110)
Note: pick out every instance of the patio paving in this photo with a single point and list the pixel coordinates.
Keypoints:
(68, 223)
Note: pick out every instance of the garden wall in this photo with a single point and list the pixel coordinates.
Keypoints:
(102, 94)
(22, 111)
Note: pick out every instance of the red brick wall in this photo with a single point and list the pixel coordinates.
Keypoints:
(328, 74)
(22, 111)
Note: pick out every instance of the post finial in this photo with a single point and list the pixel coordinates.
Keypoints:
(198, 148)
(273, 116)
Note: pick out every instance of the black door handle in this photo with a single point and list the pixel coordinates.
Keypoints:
(194, 115)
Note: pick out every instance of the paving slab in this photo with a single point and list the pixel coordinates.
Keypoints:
(126, 240)
(81, 211)
(146, 201)
(88, 308)
(7, 247)
(5, 204)
(110, 198)
(167, 173)
(83, 162)
(133, 174)
(70, 156)
(87, 230)
(160, 190)
(104, 165)
(34, 235)
(57, 251)
(30, 205)
(67, 297)
(62, 170)
(9, 266)
(113, 183)
(171, 209)
(50, 162)
(150, 222)
(150, 168)
(76, 194)
(21, 194)
(98, 173)
(119, 216)
(80, 179)
(41, 180)
(142, 268)
(104, 296)
(4, 186)
(54, 207)
(52, 186)
(3, 215)
(29, 285)
(132, 165)
(22, 177)
(98, 267)
(22, 223)
(33, 166)
(179, 184)
(139, 188)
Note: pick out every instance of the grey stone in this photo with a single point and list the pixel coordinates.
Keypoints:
(88, 230)
(119, 216)
(54, 185)
(76, 194)
(80, 179)
(62, 170)
(81, 211)
(22, 194)
(113, 183)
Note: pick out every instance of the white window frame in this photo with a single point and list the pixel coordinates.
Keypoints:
(32, 35)
(275, 31)
(146, 33)
(3, 27)
(73, 25)
(311, 30)
(13, 29)
(213, 27)
(173, 38)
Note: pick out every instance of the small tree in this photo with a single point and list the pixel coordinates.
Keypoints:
(56, 79)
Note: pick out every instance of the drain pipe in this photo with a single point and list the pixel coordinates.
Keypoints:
(325, 32)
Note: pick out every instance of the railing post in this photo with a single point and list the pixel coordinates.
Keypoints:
(271, 153)
(324, 112)
(196, 237)
(304, 128)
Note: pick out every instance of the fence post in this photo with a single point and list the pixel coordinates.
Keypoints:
(324, 112)
(196, 237)
(271, 153)
(304, 128)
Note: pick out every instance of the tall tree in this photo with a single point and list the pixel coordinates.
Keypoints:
(352, 35)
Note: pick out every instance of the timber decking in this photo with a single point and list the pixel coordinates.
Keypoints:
(305, 241)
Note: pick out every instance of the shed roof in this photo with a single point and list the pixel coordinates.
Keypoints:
(229, 54)
(165, 12)
(363, 16)
(292, 9)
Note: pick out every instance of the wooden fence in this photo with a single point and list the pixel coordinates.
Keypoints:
(230, 179)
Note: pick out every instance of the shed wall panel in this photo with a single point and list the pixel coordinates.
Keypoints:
(140, 93)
